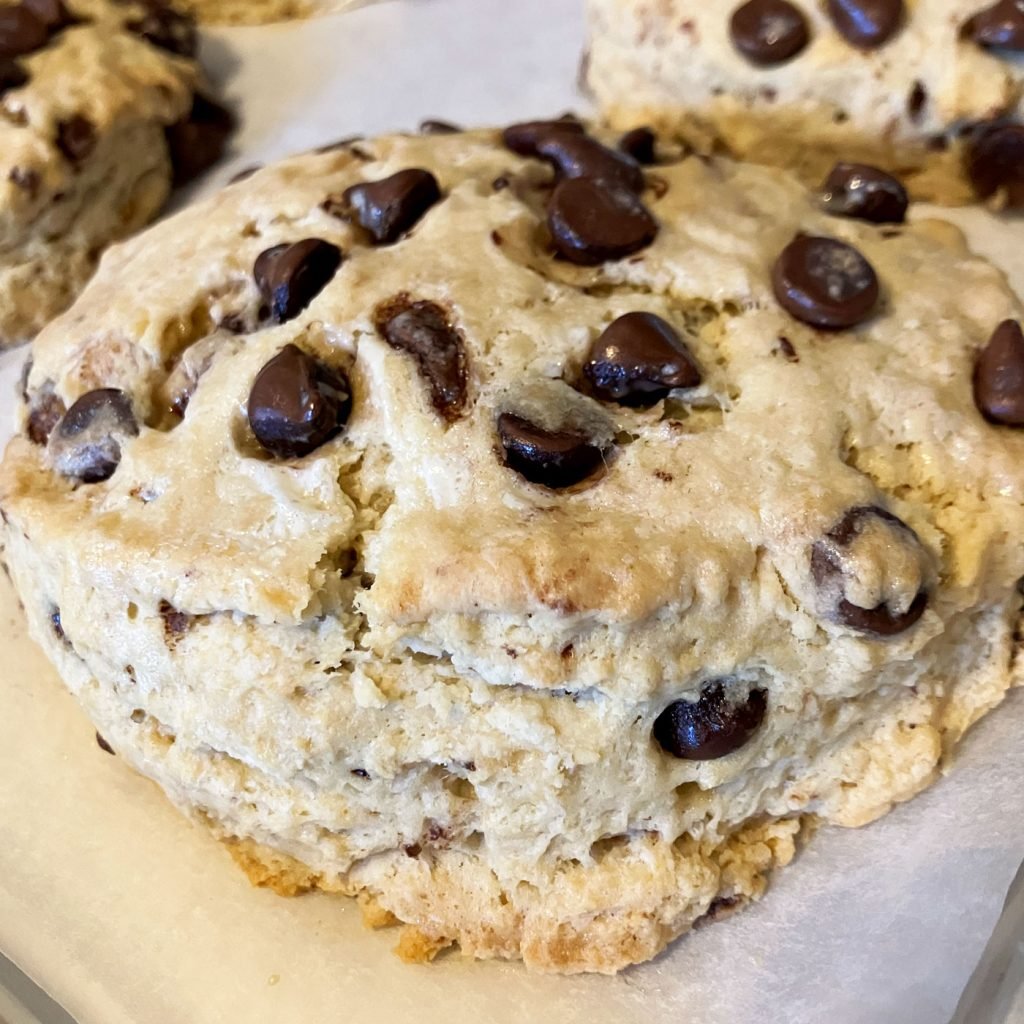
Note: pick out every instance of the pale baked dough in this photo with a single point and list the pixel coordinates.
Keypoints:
(904, 106)
(260, 12)
(394, 668)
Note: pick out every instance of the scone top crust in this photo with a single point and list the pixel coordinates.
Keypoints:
(720, 528)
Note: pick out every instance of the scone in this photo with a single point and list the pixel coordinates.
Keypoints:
(930, 89)
(523, 540)
(101, 107)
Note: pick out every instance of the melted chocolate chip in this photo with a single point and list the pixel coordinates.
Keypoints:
(391, 207)
(825, 283)
(995, 163)
(769, 32)
(637, 360)
(12, 76)
(710, 727)
(591, 222)
(104, 745)
(866, 24)
(524, 138)
(166, 28)
(422, 330)
(297, 404)
(999, 376)
(21, 31)
(434, 127)
(86, 445)
(999, 27)
(76, 138)
(578, 156)
(552, 458)
(865, 193)
(291, 275)
(640, 145)
(44, 414)
(198, 141)
(833, 566)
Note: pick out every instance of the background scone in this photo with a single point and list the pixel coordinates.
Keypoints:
(101, 110)
(928, 88)
(530, 552)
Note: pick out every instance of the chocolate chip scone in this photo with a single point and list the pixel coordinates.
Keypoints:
(100, 107)
(929, 89)
(523, 540)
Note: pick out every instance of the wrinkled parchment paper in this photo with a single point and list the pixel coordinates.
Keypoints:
(126, 913)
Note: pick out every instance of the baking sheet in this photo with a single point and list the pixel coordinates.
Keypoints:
(126, 913)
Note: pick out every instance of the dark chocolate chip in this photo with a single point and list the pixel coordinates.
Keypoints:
(917, 101)
(392, 206)
(422, 330)
(866, 24)
(825, 283)
(579, 156)
(297, 404)
(87, 443)
(26, 178)
(553, 458)
(712, 726)
(769, 32)
(523, 138)
(52, 13)
(168, 29)
(361, 773)
(999, 27)
(291, 275)
(244, 173)
(865, 193)
(12, 76)
(830, 565)
(198, 141)
(21, 31)
(104, 745)
(995, 163)
(434, 127)
(999, 376)
(785, 347)
(640, 145)
(591, 222)
(43, 415)
(57, 626)
(637, 360)
(76, 138)
(175, 623)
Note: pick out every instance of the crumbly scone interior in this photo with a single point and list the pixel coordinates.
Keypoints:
(396, 667)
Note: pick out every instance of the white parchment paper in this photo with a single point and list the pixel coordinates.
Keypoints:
(126, 913)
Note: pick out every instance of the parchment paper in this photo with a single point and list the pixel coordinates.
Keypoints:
(126, 913)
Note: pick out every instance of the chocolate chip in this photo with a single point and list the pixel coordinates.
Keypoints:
(769, 32)
(640, 145)
(21, 31)
(523, 138)
(875, 550)
(43, 415)
(52, 13)
(999, 27)
(866, 24)
(552, 458)
(422, 330)
(579, 156)
(999, 376)
(712, 726)
(434, 127)
(825, 283)
(26, 178)
(291, 275)
(87, 444)
(198, 141)
(865, 193)
(785, 347)
(166, 28)
(104, 745)
(297, 404)
(57, 626)
(637, 360)
(392, 206)
(591, 222)
(12, 75)
(76, 138)
(995, 163)
(361, 773)
(175, 623)
(244, 173)
(917, 100)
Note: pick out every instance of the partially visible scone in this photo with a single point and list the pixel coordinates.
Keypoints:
(101, 108)
(524, 539)
(929, 89)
